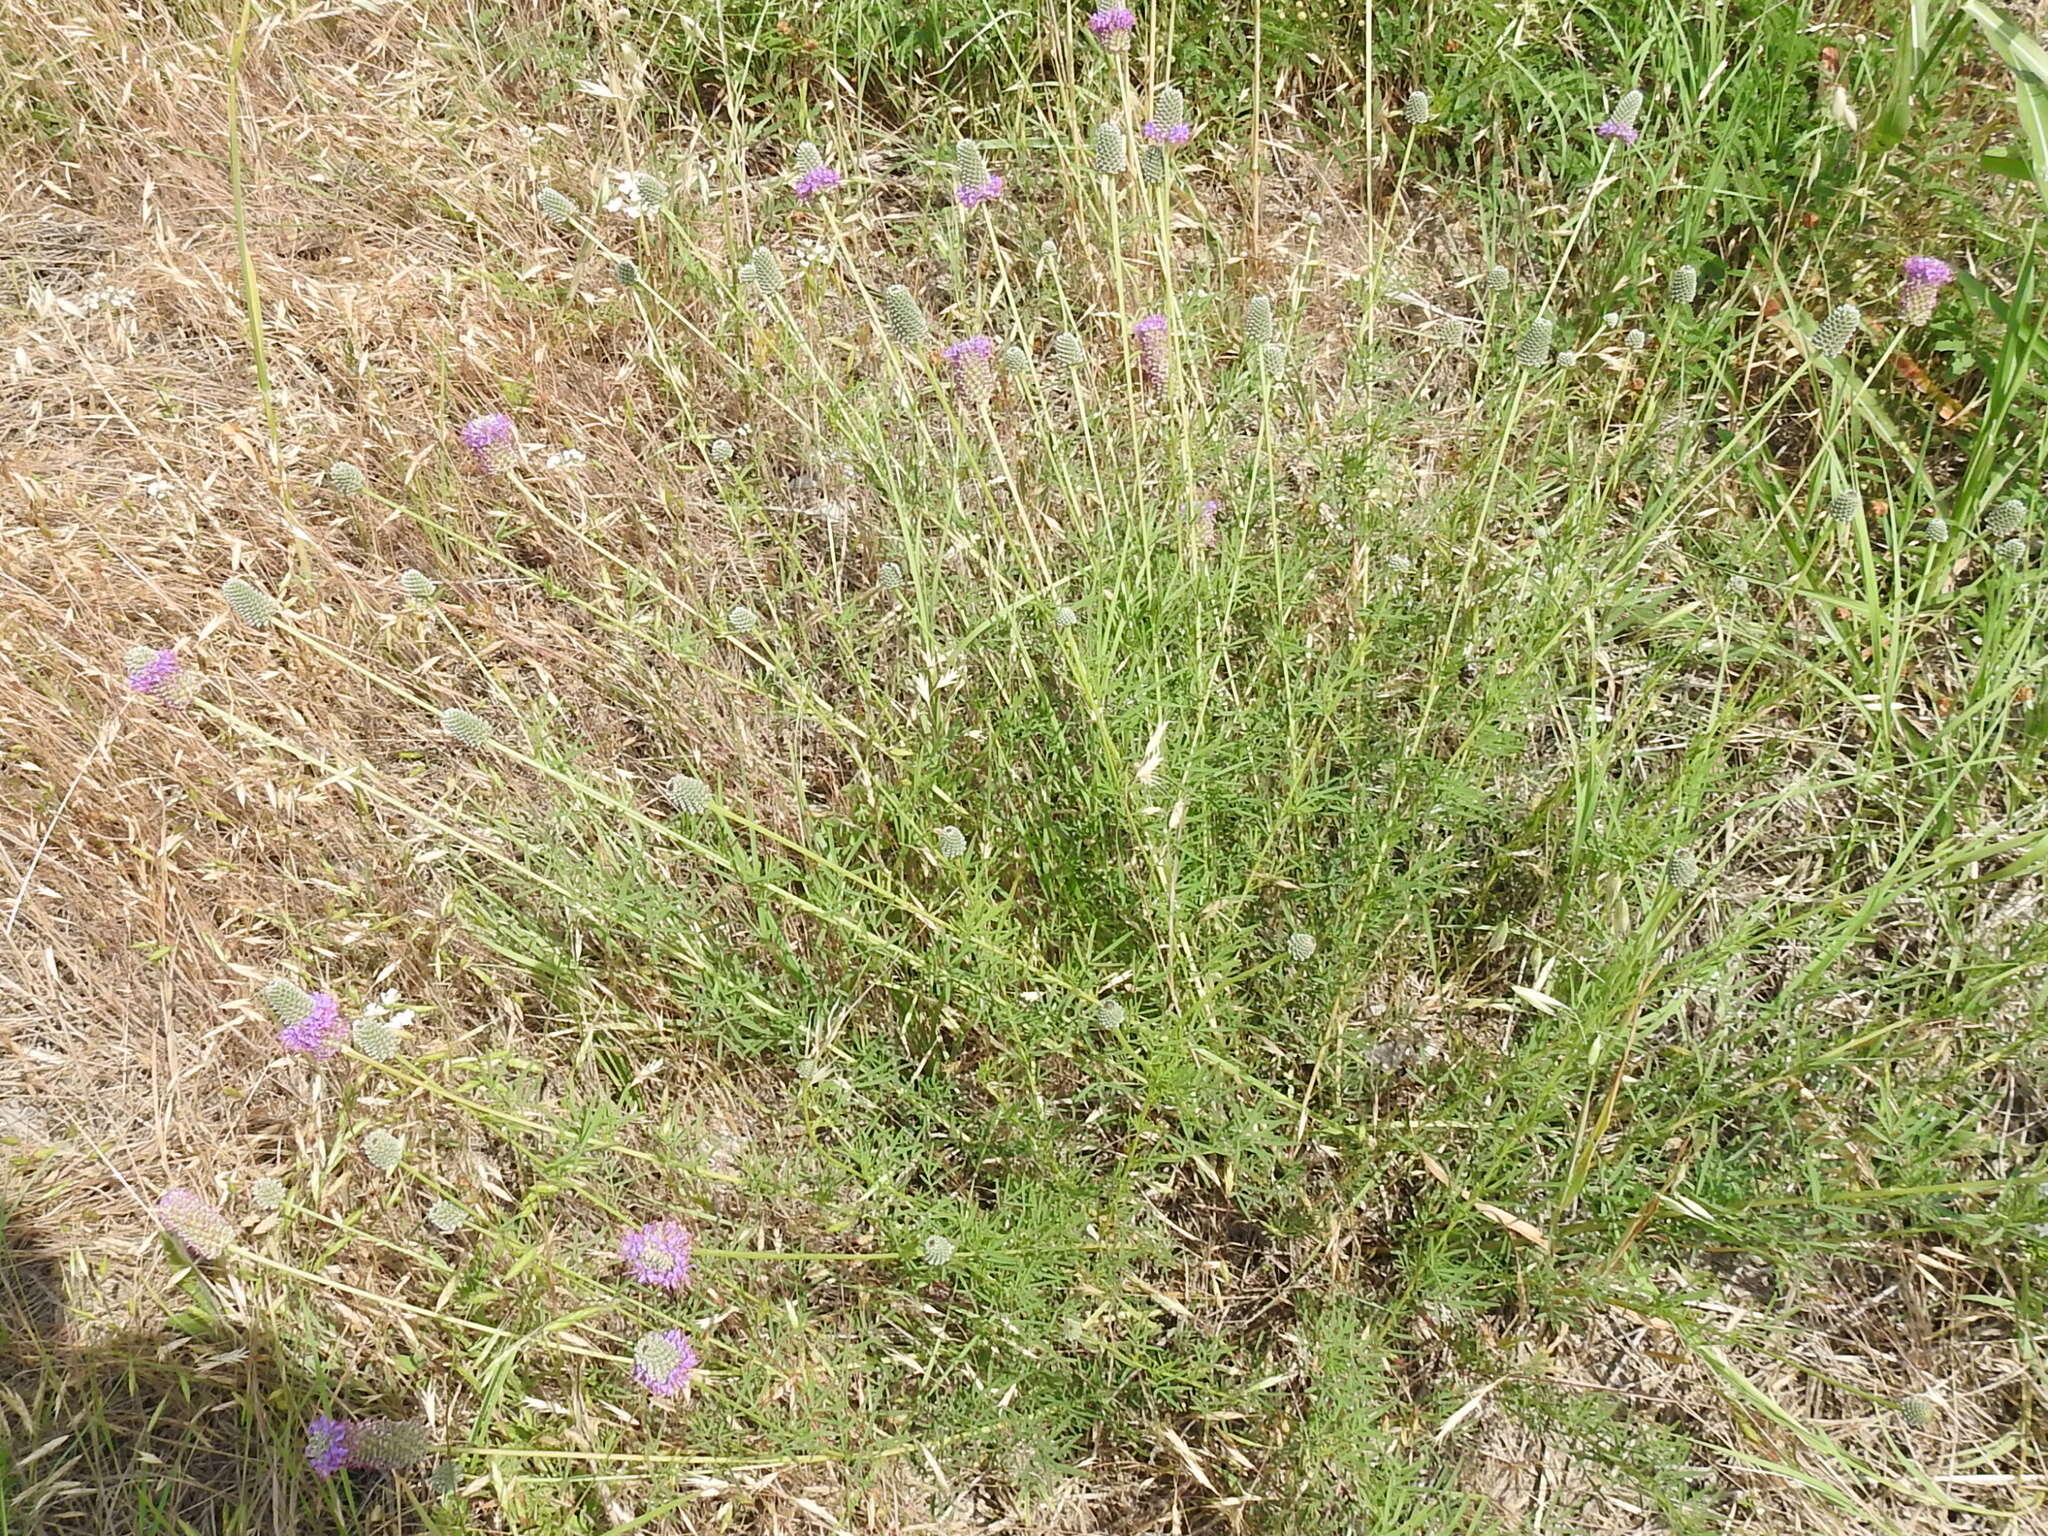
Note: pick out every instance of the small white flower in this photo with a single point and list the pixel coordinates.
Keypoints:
(626, 197)
(158, 490)
(568, 458)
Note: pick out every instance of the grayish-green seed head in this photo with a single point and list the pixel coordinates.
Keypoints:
(1629, 108)
(809, 158)
(417, 585)
(1109, 1013)
(384, 1150)
(1258, 321)
(1533, 350)
(1064, 617)
(1273, 358)
(764, 270)
(1170, 108)
(1016, 360)
(1498, 279)
(1419, 109)
(1935, 530)
(1682, 869)
(742, 620)
(346, 478)
(1112, 150)
(2005, 519)
(906, 322)
(388, 1444)
(375, 1037)
(952, 843)
(688, 794)
(556, 207)
(653, 191)
(1837, 330)
(1844, 502)
(1636, 340)
(720, 452)
(1068, 351)
(627, 273)
(469, 729)
(1567, 358)
(267, 1194)
(446, 1217)
(1152, 165)
(889, 576)
(284, 1001)
(444, 1479)
(970, 165)
(937, 1250)
(1918, 1411)
(1301, 946)
(1684, 286)
(2011, 551)
(249, 602)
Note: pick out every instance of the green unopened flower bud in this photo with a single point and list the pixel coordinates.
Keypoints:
(1301, 946)
(284, 1002)
(1418, 109)
(1258, 321)
(1834, 333)
(1112, 150)
(446, 1217)
(346, 478)
(417, 585)
(2005, 519)
(741, 619)
(1685, 285)
(688, 794)
(1067, 350)
(1152, 165)
(1843, 505)
(384, 1150)
(556, 207)
(1109, 1013)
(1498, 279)
(905, 320)
(1533, 350)
(952, 843)
(1682, 869)
(388, 1444)
(467, 728)
(1935, 530)
(249, 602)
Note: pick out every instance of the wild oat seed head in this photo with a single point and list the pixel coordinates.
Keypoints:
(1109, 1013)
(1301, 946)
(1016, 360)
(327, 1445)
(889, 576)
(688, 794)
(249, 602)
(1064, 617)
(556, 207)
(1258, 320)
(2011, 552)
(1068, 351)
(346, 478)
(721, 451)
(662, 1362)
(267, 1194)
(627, 274)
(284, 1002)
(196, 1222)
(384, 1150)
(388, 1444)
(469, 729)
(1935, 530)
(417, 585)
(1684, 286)
(1418, 109)
(1682, 869)
(1152, 165)
(1835, 332)
(952, 843)
(2005, 519)
(1533, 350)
(446, 1217)
(742, 620)
(1636, 340)
(906, 322)
(658, 1254)
(1498, 279)
(376, 1036)
(1112, 152)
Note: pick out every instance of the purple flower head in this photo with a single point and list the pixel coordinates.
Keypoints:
(973, 367)
(1205, 520)
(1925, 277)
(1168, 133)
(1113, 26)
(974, 196)
(327, 1445)
(658, 1254)
(155, 674)
(1152, 357)
(320, 1033)
(662, 1362)
(492, 440)
(1615, 128)
(817, 180)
